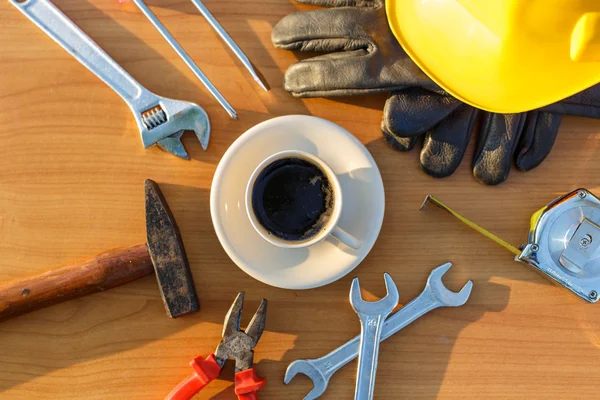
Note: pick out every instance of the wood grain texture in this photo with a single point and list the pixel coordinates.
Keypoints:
(71, 184)
(102, 272)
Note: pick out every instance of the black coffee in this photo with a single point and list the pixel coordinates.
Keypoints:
(292, 199)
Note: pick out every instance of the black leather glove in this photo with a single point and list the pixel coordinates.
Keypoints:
(447, 125)
(364, 57)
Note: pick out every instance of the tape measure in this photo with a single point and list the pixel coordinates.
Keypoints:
(562, 244)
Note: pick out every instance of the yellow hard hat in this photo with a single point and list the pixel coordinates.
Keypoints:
(503, 56)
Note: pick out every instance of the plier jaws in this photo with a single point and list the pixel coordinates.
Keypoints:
(236, 345)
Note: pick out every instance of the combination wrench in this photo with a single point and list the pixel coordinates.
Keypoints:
(433, 296)
(372, 316)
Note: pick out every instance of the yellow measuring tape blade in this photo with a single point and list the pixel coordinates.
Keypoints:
(473, 225)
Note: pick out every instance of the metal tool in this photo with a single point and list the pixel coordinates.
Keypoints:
(236, 345)
(563, 240)
(372, 316)
(163, 253)
(433, 296)
(185, 57)
(227, 39)
(160, 120)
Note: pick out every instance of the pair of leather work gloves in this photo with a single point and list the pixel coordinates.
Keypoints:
(364, 57)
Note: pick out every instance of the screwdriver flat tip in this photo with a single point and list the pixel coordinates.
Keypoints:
(260, 82)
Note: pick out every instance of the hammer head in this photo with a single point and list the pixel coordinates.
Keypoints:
(168, 255)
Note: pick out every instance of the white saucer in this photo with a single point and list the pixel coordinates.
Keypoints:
(362, 213)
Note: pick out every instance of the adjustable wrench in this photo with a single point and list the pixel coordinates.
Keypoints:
(160, 120)
(372, 316)
(433, 296)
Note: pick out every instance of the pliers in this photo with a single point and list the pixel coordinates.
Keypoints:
(236, 345)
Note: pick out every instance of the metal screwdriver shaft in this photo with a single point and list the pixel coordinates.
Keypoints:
(185, 57)
(227, 39)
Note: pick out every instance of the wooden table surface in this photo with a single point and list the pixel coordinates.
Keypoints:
(71, 185)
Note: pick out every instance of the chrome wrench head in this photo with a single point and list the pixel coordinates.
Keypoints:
(383, 306)
(315, 374)
(164, 124)
(445, 296)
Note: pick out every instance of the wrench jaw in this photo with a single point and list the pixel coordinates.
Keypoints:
(193, 118)
(389, 302)
(173, 145)
(181, 116)
(305, 367)
(447, 297)
(202, 127)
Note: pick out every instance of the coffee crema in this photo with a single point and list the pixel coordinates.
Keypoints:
(292, 199)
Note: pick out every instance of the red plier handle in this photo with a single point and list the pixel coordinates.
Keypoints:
(205, 371)
(247, 383)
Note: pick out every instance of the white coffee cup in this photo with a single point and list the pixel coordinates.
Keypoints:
(329, 228)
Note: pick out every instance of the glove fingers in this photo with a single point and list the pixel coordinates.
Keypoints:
(414, 111)
(331, 29)
(343, 3)
(400, 143)
(445, 145)
(499, 135)
(343, 74)
(538, 138)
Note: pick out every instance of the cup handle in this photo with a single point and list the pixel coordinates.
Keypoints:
(345, 238)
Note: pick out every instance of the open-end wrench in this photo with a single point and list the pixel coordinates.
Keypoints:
(160, 120)
(433, 296)
(372, 316)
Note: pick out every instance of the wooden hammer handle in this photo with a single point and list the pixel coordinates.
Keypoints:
(102, 272)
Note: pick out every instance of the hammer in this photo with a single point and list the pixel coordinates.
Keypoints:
(163, 253)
